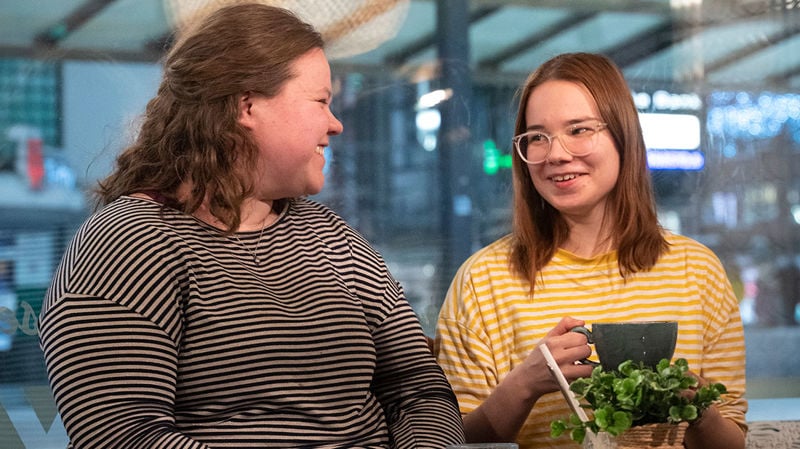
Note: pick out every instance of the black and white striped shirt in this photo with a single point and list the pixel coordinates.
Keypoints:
(161, 332)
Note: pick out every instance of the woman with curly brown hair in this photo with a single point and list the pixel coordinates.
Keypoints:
(207, 303)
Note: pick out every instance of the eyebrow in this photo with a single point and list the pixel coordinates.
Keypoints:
(538, 127)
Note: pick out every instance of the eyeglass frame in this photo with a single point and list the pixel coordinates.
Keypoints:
(598, 127)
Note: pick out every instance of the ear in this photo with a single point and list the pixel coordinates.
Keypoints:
(245, 110)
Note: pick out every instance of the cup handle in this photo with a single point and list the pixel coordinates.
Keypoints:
(589, 339)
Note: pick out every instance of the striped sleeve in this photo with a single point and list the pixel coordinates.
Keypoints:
(421, 409)
(112, 373)
(722, 358)
(420, 406)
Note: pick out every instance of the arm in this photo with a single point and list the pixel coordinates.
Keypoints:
(501, 415)
(723, 425)
(496, 386)
(420, 406)
(113, 376)
(713, 431)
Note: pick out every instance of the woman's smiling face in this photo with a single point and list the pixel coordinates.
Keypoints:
(577, 186)
(292, 129)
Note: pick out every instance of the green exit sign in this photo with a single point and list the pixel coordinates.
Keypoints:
(493, 159)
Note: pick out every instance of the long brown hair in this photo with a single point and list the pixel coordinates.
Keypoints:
(190, 131)
(539, 229)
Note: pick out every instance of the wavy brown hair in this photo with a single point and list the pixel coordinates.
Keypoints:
(538, 228)
(190, 131)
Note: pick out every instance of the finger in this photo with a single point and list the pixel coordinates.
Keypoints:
(568, 341)
(565, 325)
(572, 372)
(569, 348)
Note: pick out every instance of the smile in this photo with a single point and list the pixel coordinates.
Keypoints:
(561, 178)
(320, 150)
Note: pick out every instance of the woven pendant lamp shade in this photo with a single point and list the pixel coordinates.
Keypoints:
(349, 27)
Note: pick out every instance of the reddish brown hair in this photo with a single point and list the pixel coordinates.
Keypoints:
(539, 229)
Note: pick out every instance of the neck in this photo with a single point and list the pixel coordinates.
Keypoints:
(588, 240)
(255, 215)
(587, 248)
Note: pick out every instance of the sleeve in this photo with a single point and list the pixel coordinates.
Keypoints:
(113, 375)
(724, 349)
(420, 407)
(463, 349)
(109, 329)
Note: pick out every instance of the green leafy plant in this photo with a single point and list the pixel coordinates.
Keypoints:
(635, 395)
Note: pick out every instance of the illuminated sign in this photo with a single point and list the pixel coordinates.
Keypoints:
(672, 141)
(670, 131)
(494, 159)
(662, 100)
(675, 160)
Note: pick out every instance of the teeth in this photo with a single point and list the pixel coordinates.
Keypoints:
(320, 150)
(564, 178)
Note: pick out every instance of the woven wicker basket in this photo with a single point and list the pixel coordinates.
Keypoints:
(664, 436)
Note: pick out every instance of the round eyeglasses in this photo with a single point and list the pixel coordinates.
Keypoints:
(577, 139)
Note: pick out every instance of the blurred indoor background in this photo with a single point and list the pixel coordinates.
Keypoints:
(426, 92)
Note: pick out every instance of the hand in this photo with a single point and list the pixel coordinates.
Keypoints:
(692, 391)
(567, 349)
(503, 414)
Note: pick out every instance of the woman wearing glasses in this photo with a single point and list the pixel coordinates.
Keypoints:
(586, 247)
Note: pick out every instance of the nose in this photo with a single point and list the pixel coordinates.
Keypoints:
(557, 155)
(335, 127)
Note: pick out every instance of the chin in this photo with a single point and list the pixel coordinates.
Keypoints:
(315, 189)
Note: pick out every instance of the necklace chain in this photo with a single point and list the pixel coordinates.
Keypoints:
(253, 253)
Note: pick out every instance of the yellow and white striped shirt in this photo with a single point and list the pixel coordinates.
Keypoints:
(490, 322)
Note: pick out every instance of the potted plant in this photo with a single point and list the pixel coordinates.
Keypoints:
(636, 397)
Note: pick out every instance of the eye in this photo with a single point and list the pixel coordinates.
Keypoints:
(576, 130)
(536, 137)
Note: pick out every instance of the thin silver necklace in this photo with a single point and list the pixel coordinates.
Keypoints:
(258, 243)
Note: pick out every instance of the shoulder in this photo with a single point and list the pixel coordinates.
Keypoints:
(122, 216)
(129, 211)
(497, 251)
(690, 253)
(128, 223)
(319, 220)
(681, 244)
(493, 258)
(133, 240)
(305, 211)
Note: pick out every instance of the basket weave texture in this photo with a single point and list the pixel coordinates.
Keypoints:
(661, 435)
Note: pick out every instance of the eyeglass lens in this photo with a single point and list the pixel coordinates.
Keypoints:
(577, 140)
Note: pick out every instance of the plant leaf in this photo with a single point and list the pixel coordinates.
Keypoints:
(635, 395)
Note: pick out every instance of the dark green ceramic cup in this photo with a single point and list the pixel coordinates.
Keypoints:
(645, 342)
